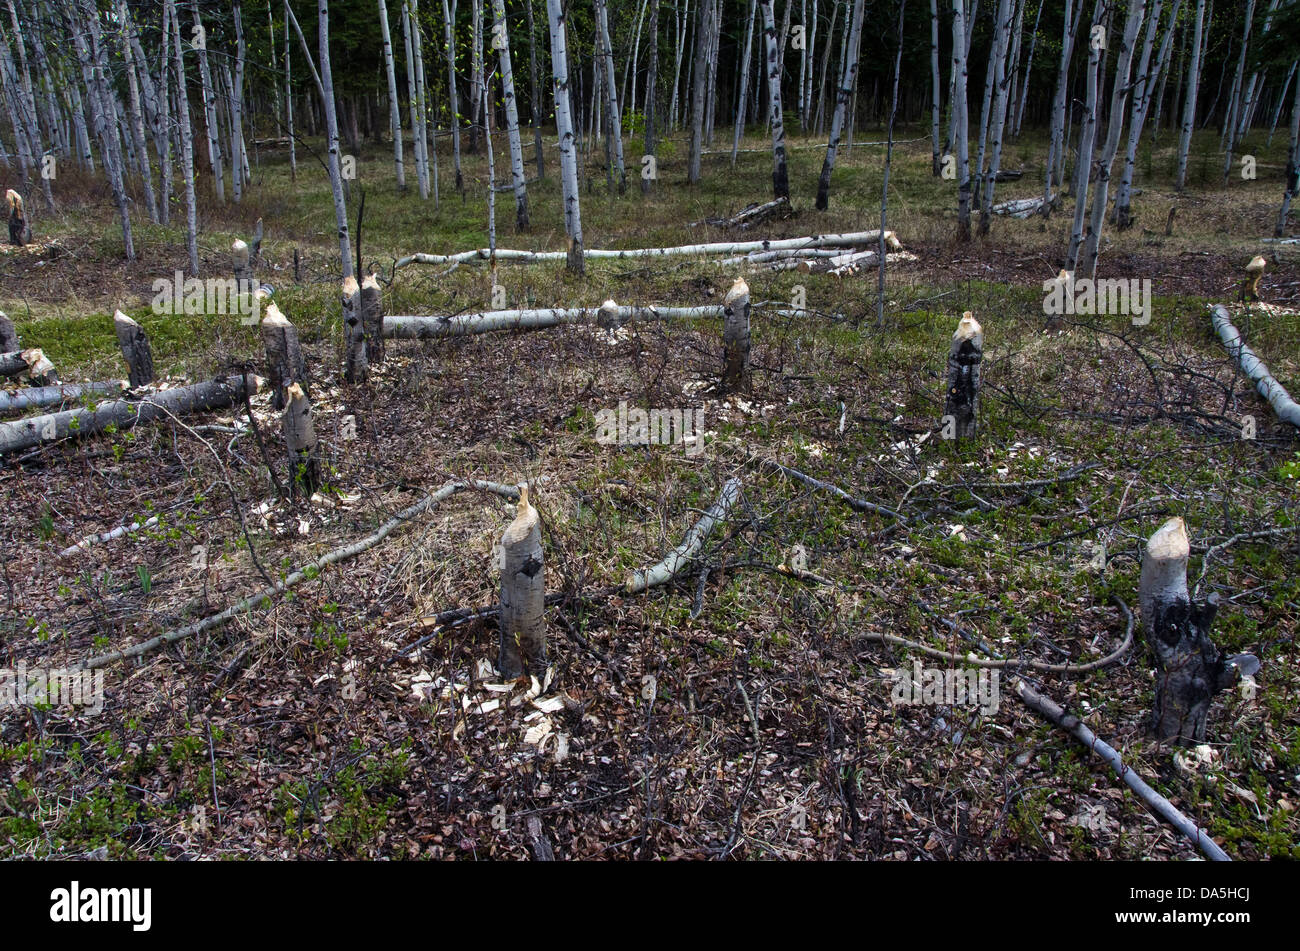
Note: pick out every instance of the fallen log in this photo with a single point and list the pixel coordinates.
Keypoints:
(40, 396)
(108, 536)
(679, 557)
(1286, 408)
(1158, 803)
(31, 363)
(309, 571)
(213, 394)
(1023, 207)
(751, 215)
(459, 325)
(855, 239)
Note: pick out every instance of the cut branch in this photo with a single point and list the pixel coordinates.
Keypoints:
(1286, 408)
(679, 557)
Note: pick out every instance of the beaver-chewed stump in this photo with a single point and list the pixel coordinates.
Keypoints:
(1190, 668)
(523, 595)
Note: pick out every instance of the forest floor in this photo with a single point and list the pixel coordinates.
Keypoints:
(739, 712)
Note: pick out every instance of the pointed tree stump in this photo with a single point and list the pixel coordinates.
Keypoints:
(240, 261)
(300, 440)
(255, 249)
(372, 318)
(284, 359)
(964, 358)
(735, 338)
(135, 349)
(1190, 669)
(356, 364)
(523, 595)
(31, 363)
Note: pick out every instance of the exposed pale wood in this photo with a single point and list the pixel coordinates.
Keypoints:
(964, 358)
(523, 595)
(372, 318)
(300, 440)
(735, 338)
(284, 358)
(356, 363)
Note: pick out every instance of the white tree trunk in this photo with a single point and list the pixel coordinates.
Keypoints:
(564, 127)
(449, 39)
(187, 141)
(501, 41)
(611, 93)
(198, 41)
(780, 174)
(394, 107)
(842, 96)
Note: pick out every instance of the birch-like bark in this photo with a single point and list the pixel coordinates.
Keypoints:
(198, 41)
(998, 122)
(1230, 122)
(94, 65)
(611, 94)
(961, 118)
(1029, 68)
(564, 127)
(187, 139)
(744, 83)
(1292, 168)
(394, 107)
(288, 99)
(421, 101)
(324, 80)
(535, 102)
(1281, 103)
(418, 140)
(780, 174)
(239, 160)
(1055, 173)
(476, 103)
(1118, 102)
(137, 132)
(1189, 104)
(841, 105)
(651, 94)
(1255, 83)
(935, 146)
(1087, 135)
(450, 51)
(1142, 96)
(501, 41)
(27, 98)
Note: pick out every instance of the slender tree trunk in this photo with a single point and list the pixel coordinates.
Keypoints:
(935, 146)
(394, 107)
(611, 94)
(780, 175)
(536, 100)
(1001, 99)
(501, 41)
(1230, 121)
(841, 105)
(448, 28)
(961, 118)
(187, 141)
(1142, 97)
(651, 93)
(1029, 69)
(1087, 135)
(1292, 168)
(744, 80)
(288, 100)
(476, 103)
(699, 78)
(564, 126)
(198, 40)
(1189, 104)
(889, 161)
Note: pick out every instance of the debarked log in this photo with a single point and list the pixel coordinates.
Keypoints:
(1256, 371)
(459, 325)
(223, 391)
(854, 239)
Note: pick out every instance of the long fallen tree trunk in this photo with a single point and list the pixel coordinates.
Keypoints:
(854, 239)
(307, 572)
(1022, 207)
(679, 557)
(459, 325)
(1158, 803)
(1286, 408)
(39, 396)
(223, 391)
